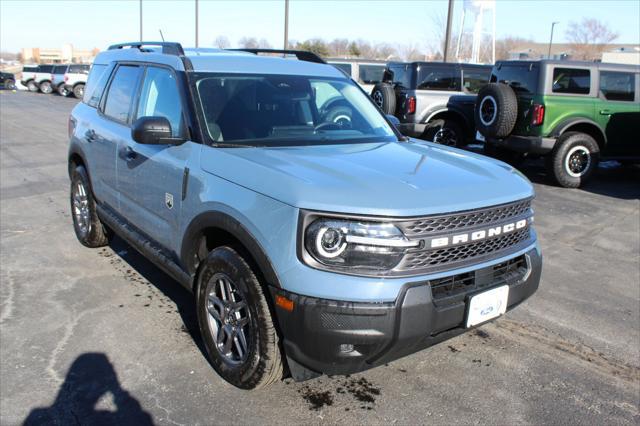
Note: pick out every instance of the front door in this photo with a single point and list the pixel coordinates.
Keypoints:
(150, 177)
(618, 113)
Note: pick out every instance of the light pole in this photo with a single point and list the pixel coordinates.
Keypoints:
(447, 36)
(196, 23)
(553, 24)
(140, 20)
(286, 24)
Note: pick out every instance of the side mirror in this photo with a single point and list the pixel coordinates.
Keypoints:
(394, 120)
(153, 131)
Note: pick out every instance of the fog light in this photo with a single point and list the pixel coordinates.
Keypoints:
(346, 347)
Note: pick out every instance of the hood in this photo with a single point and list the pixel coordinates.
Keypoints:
(386, 179)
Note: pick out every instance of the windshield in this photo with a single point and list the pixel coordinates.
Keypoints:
(282, 109)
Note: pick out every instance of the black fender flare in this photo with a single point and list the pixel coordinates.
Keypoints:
(75, 150)
(561, 127)
(217, 219)
(448, 109)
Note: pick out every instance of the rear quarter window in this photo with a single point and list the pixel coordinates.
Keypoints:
(523, 78)
(441, 78)
(574, 81)
(370, 74)
(95, 85)
(617, 86)
(475, 79)
(79, 69)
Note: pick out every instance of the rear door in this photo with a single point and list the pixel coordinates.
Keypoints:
(618, 112)
(150, 177)
(110, 129)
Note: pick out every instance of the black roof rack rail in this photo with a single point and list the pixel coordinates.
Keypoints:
(169, 48)
(302, 55)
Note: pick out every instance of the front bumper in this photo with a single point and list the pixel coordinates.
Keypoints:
(525, 144)
(333, 337)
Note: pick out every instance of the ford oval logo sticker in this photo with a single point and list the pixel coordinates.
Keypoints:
(486, 311)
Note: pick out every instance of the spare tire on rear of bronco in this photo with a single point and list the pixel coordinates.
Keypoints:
(496, 110)
(385, 97)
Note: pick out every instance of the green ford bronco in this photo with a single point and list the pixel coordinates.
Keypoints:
(573, 113)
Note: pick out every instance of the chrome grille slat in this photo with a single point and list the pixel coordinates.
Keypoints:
(451, 222)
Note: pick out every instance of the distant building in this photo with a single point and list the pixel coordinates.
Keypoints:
(67, 53)
(535, 51)
(623, 55)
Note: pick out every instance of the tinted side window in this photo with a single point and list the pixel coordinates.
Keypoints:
(96, 83)
(571, 80)
(60, 69)
(121, 92)
(45, 68)
(370, 74)
(475, 79)
(344, 67)
(617, 86)
(439, 79)
(523, 78)
(160, 97)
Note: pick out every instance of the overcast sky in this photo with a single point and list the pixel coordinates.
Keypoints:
(88, 24)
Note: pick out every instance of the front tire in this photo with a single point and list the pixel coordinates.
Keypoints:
(32, 86)
(573, 159)
(235, 321)
(9, 84)
(90, 231)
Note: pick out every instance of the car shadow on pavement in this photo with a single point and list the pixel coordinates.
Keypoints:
(83, 397)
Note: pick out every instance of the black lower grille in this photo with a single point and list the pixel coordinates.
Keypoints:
(432, 258)
(453, 289)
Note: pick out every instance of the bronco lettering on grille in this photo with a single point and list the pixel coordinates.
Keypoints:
(477, 235)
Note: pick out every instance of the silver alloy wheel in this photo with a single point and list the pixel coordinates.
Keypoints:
(45, 88)
(488, 110)
(577, 161)
(445, 136)
(32, 86)
(81, 212)
(228, 319)
(378, 98)
(343, 120)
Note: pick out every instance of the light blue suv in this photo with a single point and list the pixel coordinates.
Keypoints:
(315, 237)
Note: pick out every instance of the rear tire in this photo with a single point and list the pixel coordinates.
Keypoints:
(384, 96)
(573, 160)
(32, 86)
(90, 231)
(46, 88)
(445, 132)
(62, 91)
(9, 84)
(78, 91)
(235, 321)
(496, 110)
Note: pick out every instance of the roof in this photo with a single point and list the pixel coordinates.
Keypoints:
(570, 63)
(215, 60)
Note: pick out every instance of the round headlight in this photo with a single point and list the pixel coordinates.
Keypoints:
(330, 242)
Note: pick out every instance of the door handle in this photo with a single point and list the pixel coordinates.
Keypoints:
(605, 112)
(90, 135)
(128, 154)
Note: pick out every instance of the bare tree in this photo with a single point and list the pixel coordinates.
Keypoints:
(589, 38)
(222, 42)
(505, 46)
(248, 43)
(263, 43)
(339, 47)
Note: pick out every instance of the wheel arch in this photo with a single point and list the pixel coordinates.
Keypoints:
(582, 125)
(450, 114)
(213, 229)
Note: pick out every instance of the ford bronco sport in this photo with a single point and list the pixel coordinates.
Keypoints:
(433, 100)
(309, 245)
(573, 113)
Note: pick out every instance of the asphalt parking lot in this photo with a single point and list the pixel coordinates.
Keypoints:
(100, 335)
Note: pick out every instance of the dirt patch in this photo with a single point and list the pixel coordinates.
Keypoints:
(316, 398)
